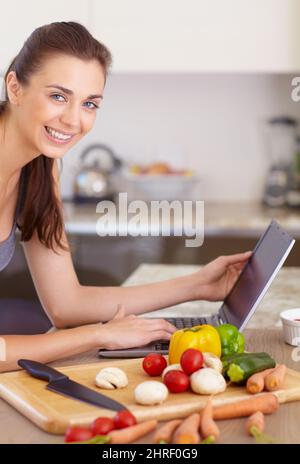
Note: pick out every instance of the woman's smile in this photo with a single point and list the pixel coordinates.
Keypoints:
(57, 137)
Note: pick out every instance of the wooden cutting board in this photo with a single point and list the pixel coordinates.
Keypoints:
(54, 413)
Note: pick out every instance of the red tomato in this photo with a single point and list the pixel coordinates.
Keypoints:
(191, 360)
(154, 364)
(176, 381)
(124, 419)
(78, 434)
(102, 425)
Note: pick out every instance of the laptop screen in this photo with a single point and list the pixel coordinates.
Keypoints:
(267, 258)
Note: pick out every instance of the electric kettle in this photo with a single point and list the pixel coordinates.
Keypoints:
(94, 179)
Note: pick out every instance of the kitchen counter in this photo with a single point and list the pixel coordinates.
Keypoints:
(231, 219)
(284, 293)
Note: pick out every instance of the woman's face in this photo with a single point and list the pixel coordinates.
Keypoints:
(51, 120)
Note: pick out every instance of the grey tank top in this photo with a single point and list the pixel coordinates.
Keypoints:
(7, 247)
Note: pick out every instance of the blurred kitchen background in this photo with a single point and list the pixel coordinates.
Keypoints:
(198, 106)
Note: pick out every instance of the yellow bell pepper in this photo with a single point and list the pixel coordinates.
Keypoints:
(201, 337)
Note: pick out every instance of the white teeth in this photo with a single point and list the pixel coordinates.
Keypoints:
(57, 135)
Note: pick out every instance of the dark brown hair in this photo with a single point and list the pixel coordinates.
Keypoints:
(41, 208)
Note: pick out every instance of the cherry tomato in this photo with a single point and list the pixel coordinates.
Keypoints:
(124, 419)
(191, 360)
(78, 434)
(102, 425)
(154, 364)
(176, 381)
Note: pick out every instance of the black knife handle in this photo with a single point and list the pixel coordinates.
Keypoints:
(41, 371)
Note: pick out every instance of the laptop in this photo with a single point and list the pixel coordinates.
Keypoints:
(240, 304)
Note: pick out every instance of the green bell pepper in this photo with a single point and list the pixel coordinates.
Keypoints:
(232, 341)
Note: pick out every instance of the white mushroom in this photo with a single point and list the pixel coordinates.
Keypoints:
(211, 360)
(171, 367)
(102, 383)
(207, 381)
(151, 392)
(111, 377)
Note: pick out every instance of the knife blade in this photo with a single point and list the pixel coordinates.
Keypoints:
(62, 384)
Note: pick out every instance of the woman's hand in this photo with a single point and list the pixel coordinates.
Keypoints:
(132, 331)
(215, 280)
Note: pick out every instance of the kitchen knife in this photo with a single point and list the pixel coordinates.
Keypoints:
(60, 383)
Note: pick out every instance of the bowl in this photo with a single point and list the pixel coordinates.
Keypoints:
(290, 319)
(163, 187)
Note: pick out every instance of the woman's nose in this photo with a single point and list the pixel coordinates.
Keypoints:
(71, 117)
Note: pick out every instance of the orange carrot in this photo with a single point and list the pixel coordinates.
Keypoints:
(132, 433)
(255, 423)
(266, 403)
(256, 383)
(165, 432)
(255, 426)
(275, 379)
(208, 428)
(187, 432)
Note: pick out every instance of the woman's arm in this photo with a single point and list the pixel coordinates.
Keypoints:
(70, 304)
(119, 333)
(138, 299)
(213, 282)
(46, 347)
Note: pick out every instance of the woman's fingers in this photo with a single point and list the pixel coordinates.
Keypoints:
(238, 267)
(160, 324)
(238, 258)
(127, 332)
(159, 335)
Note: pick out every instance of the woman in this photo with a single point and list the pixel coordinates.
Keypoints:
(53, 88)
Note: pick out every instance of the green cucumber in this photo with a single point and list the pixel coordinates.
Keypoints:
(241, 368)
(227, 360)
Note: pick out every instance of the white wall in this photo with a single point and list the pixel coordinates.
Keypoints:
(212, 123)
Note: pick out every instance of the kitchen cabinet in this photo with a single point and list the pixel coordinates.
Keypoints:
(171, 36)
(199, 35)
(19, 19)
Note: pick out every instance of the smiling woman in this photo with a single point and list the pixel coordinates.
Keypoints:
(52, 125)
(52, 90)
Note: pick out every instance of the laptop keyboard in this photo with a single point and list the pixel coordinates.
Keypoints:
(180, 323)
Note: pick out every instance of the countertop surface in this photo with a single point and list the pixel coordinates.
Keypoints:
(284, 293)
(242, 219)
